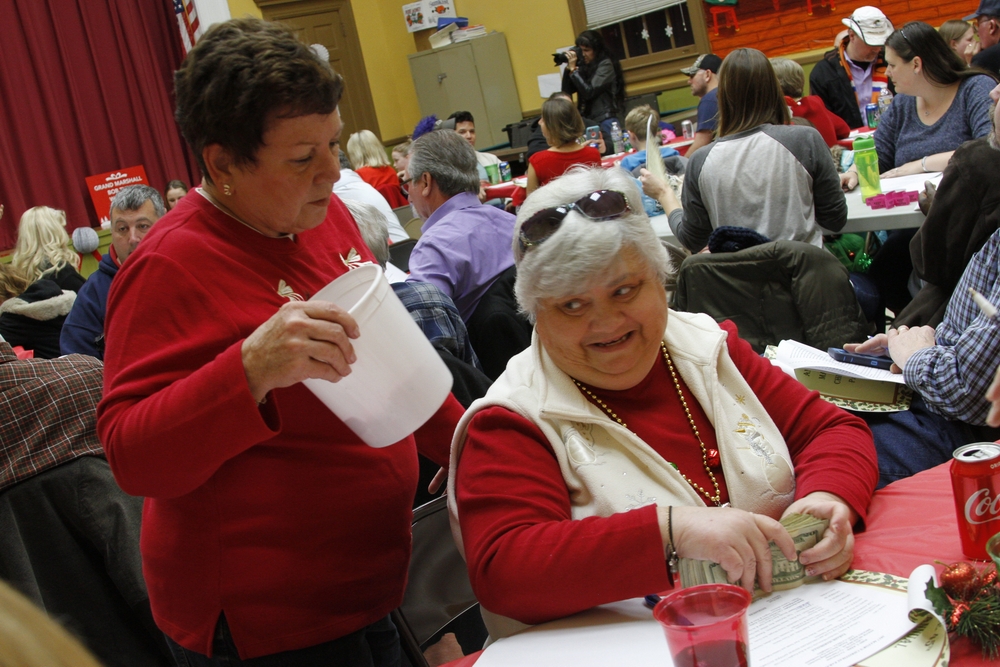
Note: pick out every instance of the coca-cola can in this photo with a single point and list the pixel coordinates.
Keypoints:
(687, 129)
(975, 479)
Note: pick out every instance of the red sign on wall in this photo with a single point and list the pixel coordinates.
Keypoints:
(104, 187)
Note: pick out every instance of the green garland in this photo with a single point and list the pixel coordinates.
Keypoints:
(972, 609)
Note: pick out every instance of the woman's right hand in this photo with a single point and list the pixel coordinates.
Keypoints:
(571, 60)
(971, 50)
(653, 187)
(849, 180)
(304, 339)
(735, 539)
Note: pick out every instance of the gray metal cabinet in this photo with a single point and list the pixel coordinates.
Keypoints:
(473, 76)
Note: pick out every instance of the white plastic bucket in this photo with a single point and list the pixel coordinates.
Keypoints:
(398, 381)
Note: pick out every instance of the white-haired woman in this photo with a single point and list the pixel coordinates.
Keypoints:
(42, 249)
(624, 437)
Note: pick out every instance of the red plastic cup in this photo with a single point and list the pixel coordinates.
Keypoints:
(706, 626)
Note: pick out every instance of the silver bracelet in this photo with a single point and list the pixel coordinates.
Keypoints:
(923, 163)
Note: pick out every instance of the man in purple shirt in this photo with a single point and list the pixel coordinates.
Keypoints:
(464, 245)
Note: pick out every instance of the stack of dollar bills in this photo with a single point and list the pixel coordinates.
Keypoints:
(805, 530)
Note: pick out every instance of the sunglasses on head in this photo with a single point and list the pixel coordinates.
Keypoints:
(597, 206)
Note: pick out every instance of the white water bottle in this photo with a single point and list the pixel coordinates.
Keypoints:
(884, 100)
(616, 137)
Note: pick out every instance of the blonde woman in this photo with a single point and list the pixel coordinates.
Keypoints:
(369, 160)
(42, 249)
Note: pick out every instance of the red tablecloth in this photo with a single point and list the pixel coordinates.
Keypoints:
(849, 142)
(911, 522)
(501, 190)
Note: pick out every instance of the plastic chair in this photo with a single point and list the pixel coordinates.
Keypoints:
(809, 5)
(725, 8)
(412, 227)
(438, 590)
(399, 254)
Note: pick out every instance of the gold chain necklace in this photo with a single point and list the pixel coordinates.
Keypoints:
(704, 450)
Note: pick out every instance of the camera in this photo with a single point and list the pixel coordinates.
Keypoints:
(562, 58)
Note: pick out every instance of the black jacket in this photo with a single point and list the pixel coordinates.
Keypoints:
(597, 90)
(35, 319)
(964, 214)
(830, 81)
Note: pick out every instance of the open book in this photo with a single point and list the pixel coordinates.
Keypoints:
(849, 386)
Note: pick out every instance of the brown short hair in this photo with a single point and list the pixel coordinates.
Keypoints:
(749, 94)
(791, 76)
(637, 121)
(562, 120)
(241, 76)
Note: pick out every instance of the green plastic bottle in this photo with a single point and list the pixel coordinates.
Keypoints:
(866, 160)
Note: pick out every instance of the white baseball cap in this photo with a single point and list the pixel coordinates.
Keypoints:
(870, 24)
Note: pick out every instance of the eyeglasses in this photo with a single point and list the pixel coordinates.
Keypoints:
(405, 185)
(597, 206)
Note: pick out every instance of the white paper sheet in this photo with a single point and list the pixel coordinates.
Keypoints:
(832, 624)
(548, 84)
(812, 616)
(792, 355)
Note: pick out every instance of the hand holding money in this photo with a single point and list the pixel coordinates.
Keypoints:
(735, 539)
(805, 530)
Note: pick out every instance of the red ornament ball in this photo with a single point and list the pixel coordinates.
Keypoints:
(959, 580)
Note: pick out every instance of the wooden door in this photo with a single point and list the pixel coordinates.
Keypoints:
(331, 23)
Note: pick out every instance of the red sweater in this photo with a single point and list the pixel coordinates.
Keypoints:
(278, 516)
(829, 124)
(530, 561)
(379, 176)
(549, 164)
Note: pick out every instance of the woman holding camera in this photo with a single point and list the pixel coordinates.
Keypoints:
(596, 78)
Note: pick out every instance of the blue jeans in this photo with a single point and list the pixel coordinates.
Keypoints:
(376, 645)
(913, 440)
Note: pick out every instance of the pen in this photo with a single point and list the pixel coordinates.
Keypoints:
(651, 600)
(989, 310)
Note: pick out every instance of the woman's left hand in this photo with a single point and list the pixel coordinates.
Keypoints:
(571, 60)
(832, 555)
(909, 168)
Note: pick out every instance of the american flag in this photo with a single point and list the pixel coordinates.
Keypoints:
(187, 21)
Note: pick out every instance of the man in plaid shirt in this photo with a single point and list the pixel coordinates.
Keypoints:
(47, 413)
(950, 368)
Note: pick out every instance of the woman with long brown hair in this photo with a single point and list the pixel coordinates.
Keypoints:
(792, 199)
(562, 127)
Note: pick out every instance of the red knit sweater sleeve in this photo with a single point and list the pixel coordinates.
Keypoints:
(434, 437)
(527, 559)
(832, 449)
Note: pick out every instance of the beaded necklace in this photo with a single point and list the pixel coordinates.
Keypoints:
(709, 457)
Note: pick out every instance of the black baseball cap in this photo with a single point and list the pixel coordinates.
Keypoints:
(711, 62)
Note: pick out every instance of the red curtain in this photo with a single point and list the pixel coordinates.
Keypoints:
(86, 87)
